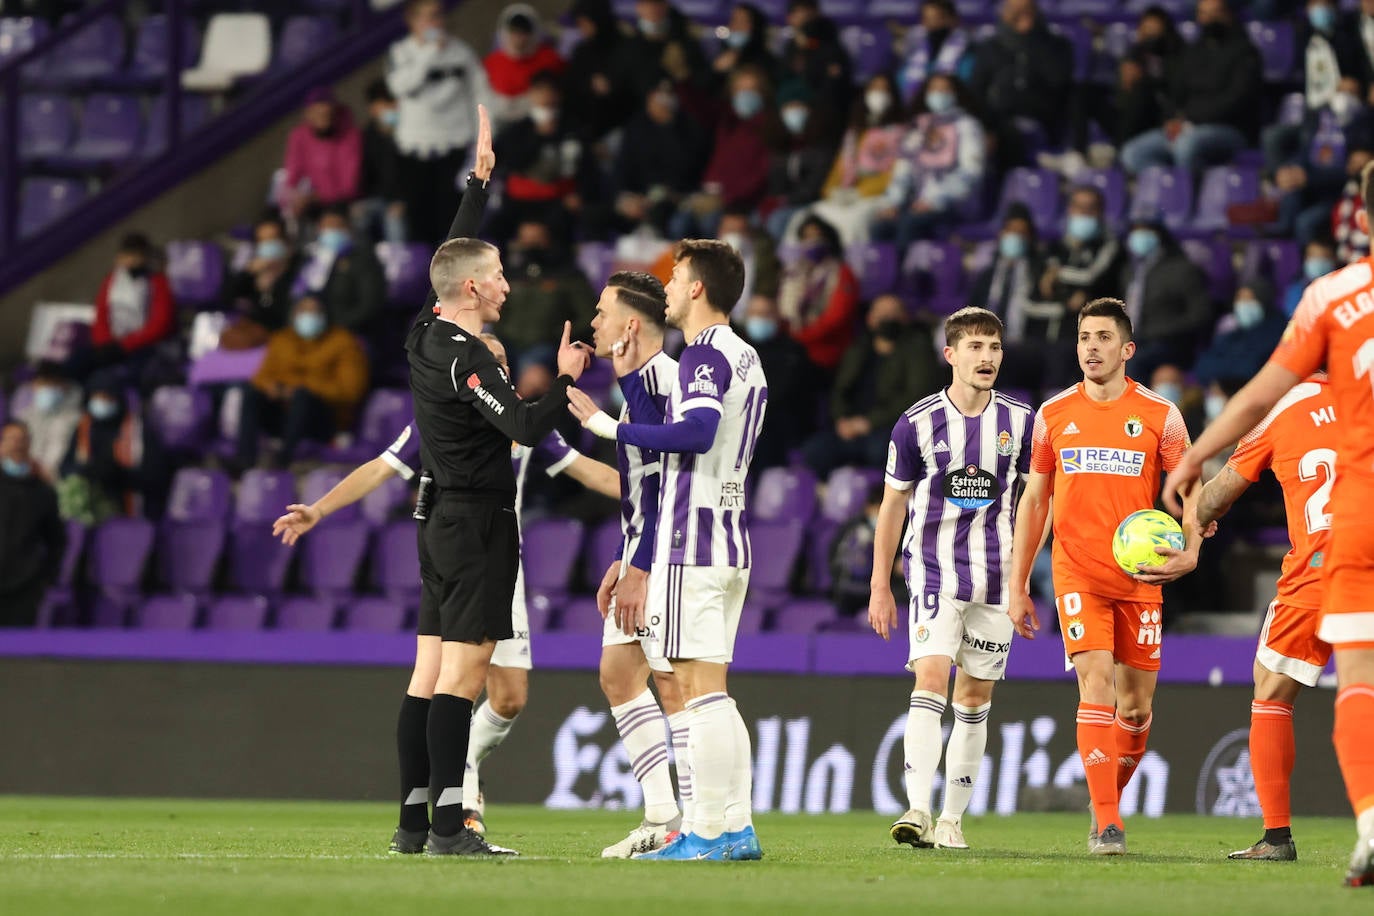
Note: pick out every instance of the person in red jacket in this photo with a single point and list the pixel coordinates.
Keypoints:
(133, 312)
(819, 295)
(521, 52)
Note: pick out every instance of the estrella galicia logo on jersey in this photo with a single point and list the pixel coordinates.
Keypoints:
(704, 381)
(1095, 460)
(1004, 443)
(1134, 426)
(971, 487)
(485, 396)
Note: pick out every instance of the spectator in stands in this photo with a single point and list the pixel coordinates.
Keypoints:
(134, 313)
(324, 159)
(1311, 177)
(1244, 338)
(309, 384)
(1214, 96)
(662, 154)
(379, 185)
(439, 81)
(1166, 297)
(521, 52)
(746, 42)
(939, 170)
(662, 46)
(819, 295)
(1352, 241)
(113, 464)
(792, 380)
(51, 417)
(1142, 81)
(851, 557)
(593, 100)
(799, 168)
(546, 289)
(33, 538)
(549, 172)
(762, 270)
(1172, 383)
(1319, 259)
(853, 191)
(261, 292)
(1086, 263)
(344, 275)
(535, 373)
(884, 371)
(814, 55)
(1022, 73)
(737, 171)
(939, 45)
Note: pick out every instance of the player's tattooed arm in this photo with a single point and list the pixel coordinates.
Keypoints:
(1220, 493)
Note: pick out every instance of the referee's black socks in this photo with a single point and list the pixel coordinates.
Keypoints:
(450, 719)
(412, 748)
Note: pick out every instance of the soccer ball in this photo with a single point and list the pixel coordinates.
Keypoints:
(1139, 534)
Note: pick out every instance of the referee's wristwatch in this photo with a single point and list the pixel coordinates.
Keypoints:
(473, 179)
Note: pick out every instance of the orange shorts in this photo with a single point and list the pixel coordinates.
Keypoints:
(1348, 587)
(1130, 630)
(1288, 643)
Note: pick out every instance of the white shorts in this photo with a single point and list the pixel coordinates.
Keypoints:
(515, 652)
(977, 636)
(611, 635)
(694, 612)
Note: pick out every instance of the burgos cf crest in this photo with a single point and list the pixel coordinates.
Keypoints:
(1134, 426)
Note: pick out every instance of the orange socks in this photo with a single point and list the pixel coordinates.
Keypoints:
(1354, 748)
(1131, 738)
(1097, 746)
(1272, 751)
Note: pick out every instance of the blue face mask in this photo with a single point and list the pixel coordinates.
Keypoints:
(1248, 312)
(270, 249)
(794, 119)
(747, 103)
(308, 324)
(391, 117)
(737, 40)
(47, 399)
(1213, 406)
(335, 240)
(939, 101)
(1142, 242)
(653, 29)
(1312, 268)
(616, 400)
(760, 329)
(1081, 227)
(102, 408)
(15, 468)
(1012, 246)
(1172, 391)
(1322, 18)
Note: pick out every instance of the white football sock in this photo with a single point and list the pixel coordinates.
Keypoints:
(739, 804)
(922, 747)
(712, 742)
(679, 726)
(640, 723)
(487, 732)
(964, 757)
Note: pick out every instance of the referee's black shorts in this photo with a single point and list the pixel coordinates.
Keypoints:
(469, 560)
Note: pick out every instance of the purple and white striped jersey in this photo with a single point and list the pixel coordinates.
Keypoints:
(962, 473)
(640, 468)
(702, 519)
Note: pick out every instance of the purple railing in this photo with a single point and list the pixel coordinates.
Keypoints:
(366, 34)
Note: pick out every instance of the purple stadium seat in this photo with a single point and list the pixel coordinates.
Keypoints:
(1214, 257)
(189, 551)
(932, 276)
(305, 614)
(396, 562)
(237, 613)
(195, 111)
(374, 615)
(550, 547)
(820, 534)
(785, 494)
(302, 37)
(167, 612)
(846, 493)
(19, 35)
(803, 615)
(602, 544)
(198, 495)
(257, 561)
(774, 549)
(93, 54)
(1112, 184)
(752, 618)
(59, 604)
(892, 9)
(387, 502)
(596, 260)
(1037, 188)
(153, 47)
(319, 482)
(385, 414)
(870, 47)
(702, 11)
(876, 265)
(43, 201)
(1292, 109)
(181, 417)
(111, 132)
(407, 272)
(264, 495)
(119, 551)
(1222, 186)
(1276, 47)
(579, 615)
(1081, 39)
(45, 126)
(332, 555)
(1278, 259)
(1166, 192)
(195, 270)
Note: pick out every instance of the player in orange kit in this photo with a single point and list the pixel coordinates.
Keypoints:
(1332, 327)
(1098, 450)
(1297, 441)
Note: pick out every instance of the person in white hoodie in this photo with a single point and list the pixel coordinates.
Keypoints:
(438, 81)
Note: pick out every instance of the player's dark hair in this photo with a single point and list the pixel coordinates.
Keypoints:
(718, 267)
(1115, 309)
(548, 80)
(642, 293)
(971, 320)
(136, 243)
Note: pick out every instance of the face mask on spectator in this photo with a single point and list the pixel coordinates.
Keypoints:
(308, 324)
(335, 240)
(1213, 406)
(47, 398)
(15, 468)
(735, 240)
(433, 35)
(391, 117)
(1248, 312)
(1081, 227)
(737, 40)
(890, 329)
(815, 250)
(616, 397)
(794, 118)
(653, 29)
(1142, 242)
(102, 408)
(270, 250)
(1012, 246)
(1344, 106)
(137, 272)
(543, 115)
(878, 101)
(1322, 17)
(1172, 391)
(666, 99)
(747, 103)
(939, 101)
(1317, 266)
(760, 328)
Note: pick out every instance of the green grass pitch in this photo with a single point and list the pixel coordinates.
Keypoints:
(100, 856)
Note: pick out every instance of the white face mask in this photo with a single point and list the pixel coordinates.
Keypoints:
(878, 101)
(543, 115)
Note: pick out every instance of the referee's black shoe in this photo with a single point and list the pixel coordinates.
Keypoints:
(463, 843)
(407, 842)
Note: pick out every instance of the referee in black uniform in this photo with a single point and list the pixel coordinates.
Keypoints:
(468, 413)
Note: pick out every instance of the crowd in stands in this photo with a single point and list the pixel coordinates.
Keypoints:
(616, 137)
